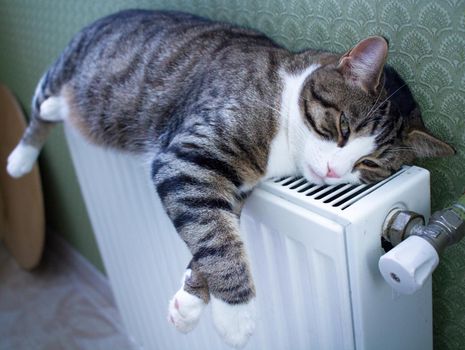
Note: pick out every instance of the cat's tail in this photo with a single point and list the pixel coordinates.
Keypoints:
(47, 109)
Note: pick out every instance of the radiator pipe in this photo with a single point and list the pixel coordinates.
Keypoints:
(417, 246)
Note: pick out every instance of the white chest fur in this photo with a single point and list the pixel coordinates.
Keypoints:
(282, 157)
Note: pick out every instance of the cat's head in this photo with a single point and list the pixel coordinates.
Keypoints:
(363, 121)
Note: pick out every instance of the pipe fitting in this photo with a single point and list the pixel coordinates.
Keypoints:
(445, 227)
(399, 225)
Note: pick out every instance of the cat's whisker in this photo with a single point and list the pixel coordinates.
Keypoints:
(406, 148)
(403, 148)
(305, 99)
(386, 99)
(374, 104)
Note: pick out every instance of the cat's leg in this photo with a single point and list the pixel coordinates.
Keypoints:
(186, 306)
(22, 158)
(46, 112)
(200, 203)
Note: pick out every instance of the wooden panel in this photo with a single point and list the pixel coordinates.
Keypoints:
(22, 217)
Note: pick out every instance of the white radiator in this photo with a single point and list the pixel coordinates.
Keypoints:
(314, 253)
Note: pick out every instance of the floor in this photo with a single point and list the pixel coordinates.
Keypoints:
(64, 304)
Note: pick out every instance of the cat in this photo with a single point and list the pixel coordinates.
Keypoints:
(217, 109)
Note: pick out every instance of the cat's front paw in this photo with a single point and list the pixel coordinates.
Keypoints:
(234, 322)
(185, 309)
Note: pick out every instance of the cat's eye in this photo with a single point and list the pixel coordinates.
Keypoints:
(369, 163)
(344, 126)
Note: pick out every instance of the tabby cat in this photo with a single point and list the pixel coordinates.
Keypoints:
(217, 109)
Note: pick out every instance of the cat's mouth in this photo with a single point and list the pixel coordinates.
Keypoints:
(317, 179)
(313, 177)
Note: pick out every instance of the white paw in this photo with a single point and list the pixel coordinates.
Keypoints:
(235, 323)
(53, 109)
(21, 160)
(185, 309)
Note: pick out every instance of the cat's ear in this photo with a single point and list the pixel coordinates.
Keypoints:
(363, 64)
(421, 141)
(425, 145)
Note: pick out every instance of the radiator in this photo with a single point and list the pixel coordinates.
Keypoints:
(314, 253)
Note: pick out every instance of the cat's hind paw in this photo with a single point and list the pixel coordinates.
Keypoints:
(21, 160)
(234, 322)
(184, 310)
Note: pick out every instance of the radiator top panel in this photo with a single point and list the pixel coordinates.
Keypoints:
(337, 196)
(339, 202)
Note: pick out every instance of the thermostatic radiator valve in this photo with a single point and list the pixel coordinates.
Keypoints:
(417, 246)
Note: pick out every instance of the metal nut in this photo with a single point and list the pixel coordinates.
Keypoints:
(445, 228)
(399, 224)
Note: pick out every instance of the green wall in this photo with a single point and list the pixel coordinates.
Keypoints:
(427, 47)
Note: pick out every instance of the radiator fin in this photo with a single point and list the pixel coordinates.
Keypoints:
(336, 196)
(295, 285)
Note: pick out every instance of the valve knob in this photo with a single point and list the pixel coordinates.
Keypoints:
(408, 265)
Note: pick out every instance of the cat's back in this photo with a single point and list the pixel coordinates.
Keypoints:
(154, 49)
(153, 38)
(140, 70)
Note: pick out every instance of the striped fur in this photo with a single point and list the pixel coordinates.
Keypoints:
(218, 108)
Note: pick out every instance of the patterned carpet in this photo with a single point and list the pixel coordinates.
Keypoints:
(64, 304)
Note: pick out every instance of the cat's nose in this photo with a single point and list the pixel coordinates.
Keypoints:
(332, 174)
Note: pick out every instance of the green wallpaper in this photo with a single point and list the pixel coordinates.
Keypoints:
(427, 47)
